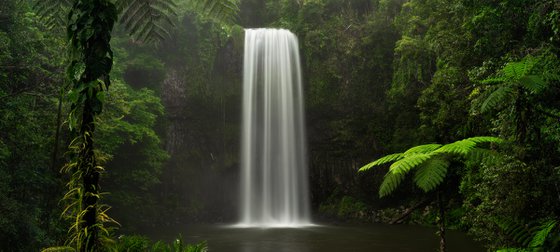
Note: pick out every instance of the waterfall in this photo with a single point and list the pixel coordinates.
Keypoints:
(274, 181)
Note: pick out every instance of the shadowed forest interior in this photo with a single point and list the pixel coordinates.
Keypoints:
(121, 121)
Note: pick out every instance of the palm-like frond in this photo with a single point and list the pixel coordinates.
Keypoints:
(496, 98)
(147, 20)
(53, 12)
(425, 148)
(542, 233)
(518, 231)
(515, 75)
(408, 163)
(431, 161)
(390, 182)
(516, 70)
(478, 156)
(494, 80)
(220, 10)
(530, 235)
(534, 83)
(430, 174)
(383, 160)
(463, 147)
(399, 170)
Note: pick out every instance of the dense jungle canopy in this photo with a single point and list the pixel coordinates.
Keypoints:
(162, 107)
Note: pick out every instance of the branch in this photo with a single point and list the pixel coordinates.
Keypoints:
(408, 211)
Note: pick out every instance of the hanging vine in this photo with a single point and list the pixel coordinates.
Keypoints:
(91, 59)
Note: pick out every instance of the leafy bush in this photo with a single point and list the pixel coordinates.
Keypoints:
(133, 243)
(137, 243)
(346, 208)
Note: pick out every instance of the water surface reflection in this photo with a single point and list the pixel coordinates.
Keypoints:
(325, 238)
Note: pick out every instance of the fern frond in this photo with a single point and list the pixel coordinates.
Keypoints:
(534, 83)
(390, 182)
(426, 148)
(540, 236)
(551, 76)
(484, 139)
(147, 20)
(513, 250)
(481, 155)
(52, 12)
(220, 10)
(518, 231)
(431, 173)
(496, 98)
(518, 69)
(463, 147)
(59, 249)
(494, 80)
(408, 163)
(383, 160)
(398, 171)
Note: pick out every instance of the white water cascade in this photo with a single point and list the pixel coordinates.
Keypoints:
(274, 186)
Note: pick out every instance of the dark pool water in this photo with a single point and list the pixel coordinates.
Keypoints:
(324, 238)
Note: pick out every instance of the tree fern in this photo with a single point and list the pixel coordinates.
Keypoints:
(430, 160)
(221, 10)
(496, 98)
(390, 182)
(465, 146)
(426, 148)
(408, 163)
(53, 12)
(494, 80)
(383, 160)
(480, 155)
(534, 83)
(430, 174)
(147, 20)
(462, 147)
(515, 75)
(529, 235)
(516, 70)
(542, 233)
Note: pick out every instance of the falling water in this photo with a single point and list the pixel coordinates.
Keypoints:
(274, 183)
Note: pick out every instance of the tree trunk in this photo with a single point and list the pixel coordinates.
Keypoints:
(89, 27)
(54, 163)
(90, 179)
(441, 222)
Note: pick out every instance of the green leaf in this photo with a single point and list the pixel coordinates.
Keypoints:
(534, 83)
(540, 236)
(390, 183)
(408, 163)
(383, 160)
(516, 70)
(426, 148)
(147, 20)
(431, 173)
(496, 98)
(494, 80)
(463, 147)
(220, 10)
(485, 139)
(398, 171)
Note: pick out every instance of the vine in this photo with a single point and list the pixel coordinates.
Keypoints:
(91, 59)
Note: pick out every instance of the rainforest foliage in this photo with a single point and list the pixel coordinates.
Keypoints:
(381, 76)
